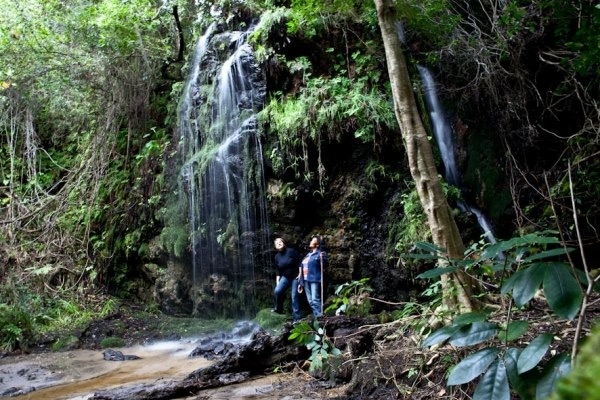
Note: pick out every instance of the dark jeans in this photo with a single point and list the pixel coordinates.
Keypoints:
(279, 293)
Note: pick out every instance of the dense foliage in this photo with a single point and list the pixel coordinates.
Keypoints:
(88, 92)
(83, 133)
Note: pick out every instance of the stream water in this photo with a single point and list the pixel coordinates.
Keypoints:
(77, 374)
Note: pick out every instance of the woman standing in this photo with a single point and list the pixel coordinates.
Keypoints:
(312, 272)
(287, 261)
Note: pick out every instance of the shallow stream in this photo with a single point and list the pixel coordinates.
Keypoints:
(77, 374)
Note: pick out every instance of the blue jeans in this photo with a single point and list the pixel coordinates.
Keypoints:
(313, 294)
(279, 292)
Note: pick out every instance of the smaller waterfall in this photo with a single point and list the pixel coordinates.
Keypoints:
(441, 129)
(444, 137)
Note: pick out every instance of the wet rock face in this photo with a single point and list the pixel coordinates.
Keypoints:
(172, 291)
(225, 343)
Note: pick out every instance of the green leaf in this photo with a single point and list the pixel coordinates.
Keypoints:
(429, 247)
(533, 353)
(492, 251)
(562, 290)
(468, 318)
(494, 384)
(547, 254)
(472, 366)
(520, 385)
(525, 283)
(557, 367)
(440, 335)
(514, 330)
(474, 333)
(434, 273)
(324, 354)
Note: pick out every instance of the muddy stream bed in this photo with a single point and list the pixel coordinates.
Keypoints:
(77, 374)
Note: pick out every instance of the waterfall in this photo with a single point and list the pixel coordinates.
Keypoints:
(221, 172)
(444, 137)
(441, 129)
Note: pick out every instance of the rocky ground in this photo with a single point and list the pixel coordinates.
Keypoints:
(379, 360)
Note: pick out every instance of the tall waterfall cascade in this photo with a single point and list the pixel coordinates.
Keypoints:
(221, 180)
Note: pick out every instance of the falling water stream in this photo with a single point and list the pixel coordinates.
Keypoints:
(221, 174)
(444, 137)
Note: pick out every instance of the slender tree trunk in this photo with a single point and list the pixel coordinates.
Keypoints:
(457, 287)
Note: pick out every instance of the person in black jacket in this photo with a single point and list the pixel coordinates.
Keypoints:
(289, 270)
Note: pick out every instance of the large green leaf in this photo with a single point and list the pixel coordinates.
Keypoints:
(562, 291)
(474, 333)
(533, 353)
(494, 250)
(440, 335)
(467, 318)
(494, 384)
(513, 331)
(518, 382)
(547, 254)
(520, 242)
(429, 247)
(472, 366)
(525, 283)
(559, 366)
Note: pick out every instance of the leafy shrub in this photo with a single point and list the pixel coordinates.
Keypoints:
(15, 327)
(352, 298)
(523, 266)
(323, 352)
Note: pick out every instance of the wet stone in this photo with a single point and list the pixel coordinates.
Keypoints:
(115, 355)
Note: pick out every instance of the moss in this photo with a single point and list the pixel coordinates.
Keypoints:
(65, 343)
(112, 341)
(270, 320)
(582, 382)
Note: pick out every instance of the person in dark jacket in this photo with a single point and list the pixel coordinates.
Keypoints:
(312, 276)
(288, 263)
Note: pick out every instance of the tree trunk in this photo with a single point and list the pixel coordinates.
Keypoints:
(457, 287)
